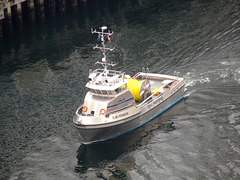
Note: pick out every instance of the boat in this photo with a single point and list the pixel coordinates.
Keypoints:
(117, 103)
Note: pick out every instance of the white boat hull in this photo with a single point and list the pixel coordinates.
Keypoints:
(101, 132)
(117, 103)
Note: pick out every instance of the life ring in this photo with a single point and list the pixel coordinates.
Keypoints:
(175, 82)
(84, 109)
(102, 111)
(134, 77)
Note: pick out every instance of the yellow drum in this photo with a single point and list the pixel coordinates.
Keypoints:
(138, 88)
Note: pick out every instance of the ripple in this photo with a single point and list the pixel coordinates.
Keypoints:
(238, 128)
(234, 117)
(43, 84)
(48, 161)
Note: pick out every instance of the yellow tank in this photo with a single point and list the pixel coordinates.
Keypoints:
(138, 88)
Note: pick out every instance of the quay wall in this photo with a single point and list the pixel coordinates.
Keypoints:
(14, 12)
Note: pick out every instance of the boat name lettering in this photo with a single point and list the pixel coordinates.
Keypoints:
(155, 102)
(120, 115)
(124, 114)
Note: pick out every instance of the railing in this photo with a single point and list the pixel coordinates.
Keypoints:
(109, 72)
(150, 98)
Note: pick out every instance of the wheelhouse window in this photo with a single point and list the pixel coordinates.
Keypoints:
(104, 92)
(111, 92)
(98, 91)
(117, 90)
(92, 90)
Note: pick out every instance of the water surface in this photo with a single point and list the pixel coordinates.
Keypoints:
(44, 69)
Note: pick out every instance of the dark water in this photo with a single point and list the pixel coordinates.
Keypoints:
(43, 71)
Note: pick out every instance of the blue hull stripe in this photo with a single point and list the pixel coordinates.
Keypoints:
(144, 122)
(120, 102)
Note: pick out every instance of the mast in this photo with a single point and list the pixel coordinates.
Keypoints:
(101, 37)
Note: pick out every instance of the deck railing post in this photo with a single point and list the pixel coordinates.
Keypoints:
(39, 9)
(31, 5)
(18, 16)
(8, 19)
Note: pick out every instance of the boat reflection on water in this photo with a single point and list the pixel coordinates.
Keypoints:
(99, 156)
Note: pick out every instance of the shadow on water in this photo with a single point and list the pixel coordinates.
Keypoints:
(99, 155)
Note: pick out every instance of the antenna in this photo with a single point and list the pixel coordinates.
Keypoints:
(101, 37)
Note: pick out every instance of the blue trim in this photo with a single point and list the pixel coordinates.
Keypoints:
(120, 102)
(144, 122)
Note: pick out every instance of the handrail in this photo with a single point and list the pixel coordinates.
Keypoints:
(109, 71)
(136, 75)
(160, 94)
